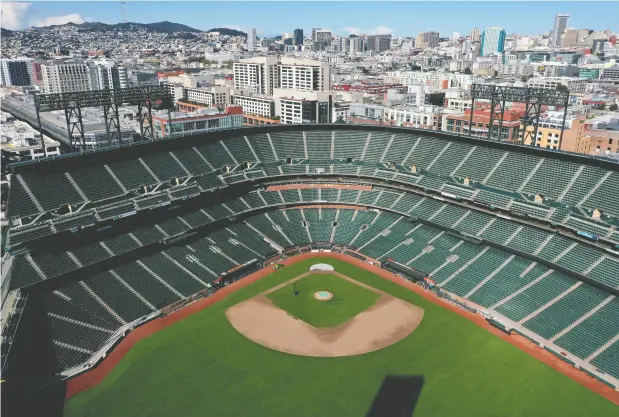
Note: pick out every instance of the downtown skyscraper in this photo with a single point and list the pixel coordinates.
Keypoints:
(558, 29)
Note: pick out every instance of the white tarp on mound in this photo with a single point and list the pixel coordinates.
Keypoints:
(322, 267)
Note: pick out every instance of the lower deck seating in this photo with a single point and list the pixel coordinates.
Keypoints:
(515, 287)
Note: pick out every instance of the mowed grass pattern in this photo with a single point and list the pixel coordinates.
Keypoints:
(348, 300)
(201, 366)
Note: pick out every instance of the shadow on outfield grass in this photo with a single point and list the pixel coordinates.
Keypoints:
(397, 396)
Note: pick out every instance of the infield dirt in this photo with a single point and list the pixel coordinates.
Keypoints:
(388, 321)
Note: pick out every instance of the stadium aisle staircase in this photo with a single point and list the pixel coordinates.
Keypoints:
(607, 360)
(512, 172)
(118, 296)
(592, 333)
(564, 312)
(479, 164)
(483, 266)
(536, 296)
(509, 280)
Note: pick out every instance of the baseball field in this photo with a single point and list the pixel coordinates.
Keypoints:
(204, 365)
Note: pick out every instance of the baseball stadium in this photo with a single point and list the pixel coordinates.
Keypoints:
(312, 270)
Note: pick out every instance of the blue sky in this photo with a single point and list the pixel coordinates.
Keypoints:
(272, 18)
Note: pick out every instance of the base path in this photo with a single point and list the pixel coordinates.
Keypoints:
(388, 321)
(94, 376)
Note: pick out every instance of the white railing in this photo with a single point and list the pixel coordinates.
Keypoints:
(107, 347)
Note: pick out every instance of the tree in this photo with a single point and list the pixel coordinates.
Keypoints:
(562, 87)
(526, 78)
(468, 71)
(613, 107)
(602, 106)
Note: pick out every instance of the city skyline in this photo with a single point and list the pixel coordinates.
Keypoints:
(365, 18)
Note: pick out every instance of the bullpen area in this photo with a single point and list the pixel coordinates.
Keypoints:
(323, 342)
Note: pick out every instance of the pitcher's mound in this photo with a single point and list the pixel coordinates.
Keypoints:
(322, 268)
(323, 295)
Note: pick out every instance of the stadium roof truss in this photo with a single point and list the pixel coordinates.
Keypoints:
(145, 98)
(533, 98)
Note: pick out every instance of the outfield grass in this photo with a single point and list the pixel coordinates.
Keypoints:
(348, 300)
(202, 367)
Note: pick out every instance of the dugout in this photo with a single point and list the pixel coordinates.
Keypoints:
(411, 273)
(236, 273)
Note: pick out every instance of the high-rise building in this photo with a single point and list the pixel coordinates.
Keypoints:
(475, 35)
(64, 78)
(558, 29)
(16, 72)
(314, 30)
(106, 75)
(357, 44)
(251, 39)
(82, 76)
(303, 106)
(379, 43)
(492, 41)
(263, 74)
(427, 40)
(259, 74)
(304, 74)
(322, 40)
(36, 72)
(341, 44)
(298, 37)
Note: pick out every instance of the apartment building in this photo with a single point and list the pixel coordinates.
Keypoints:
(64, 78)
(366, 113)
(424, 116)
(295, 106)
(549, 131)
(257, 110)
(259, 74)
(574, 85)
(510, 128)
(107, 76)
(17, 72)
(263, 74)
(602, 141)
(427, 40)
(82, 76)
(379, 43)
(322, 39)
(304, 74)
(610, 73)
(213, 96)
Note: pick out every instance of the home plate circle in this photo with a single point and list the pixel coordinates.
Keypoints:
(322, 268)
(323, 295)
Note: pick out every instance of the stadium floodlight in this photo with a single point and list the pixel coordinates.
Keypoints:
(533, 99)
(145, 98)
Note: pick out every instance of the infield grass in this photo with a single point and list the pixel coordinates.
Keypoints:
(348, 300)
(202, 366)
